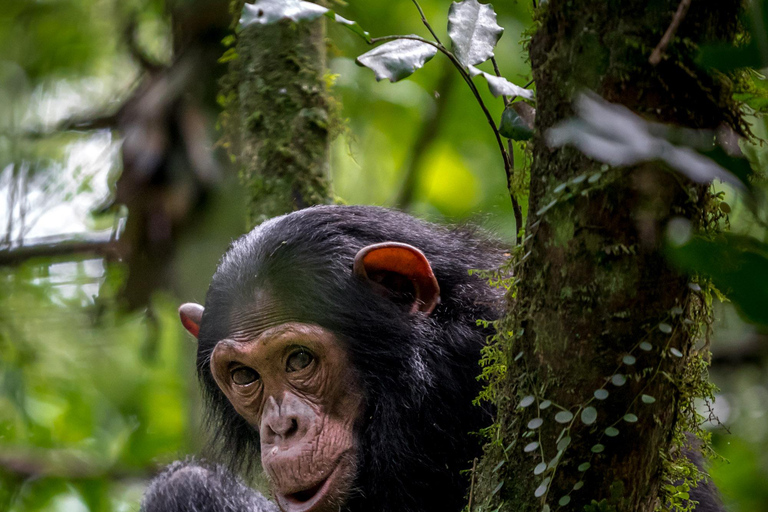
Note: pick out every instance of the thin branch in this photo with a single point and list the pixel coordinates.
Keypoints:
(99, 244)
(682, 9)
(472, 485)
(498, 73)
(425, 22)
(475, 92)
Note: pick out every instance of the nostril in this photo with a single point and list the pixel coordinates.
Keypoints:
(293, 428)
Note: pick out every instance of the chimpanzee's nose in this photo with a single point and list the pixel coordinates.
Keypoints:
(284, 423)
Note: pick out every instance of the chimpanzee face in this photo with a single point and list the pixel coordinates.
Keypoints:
(293, 382)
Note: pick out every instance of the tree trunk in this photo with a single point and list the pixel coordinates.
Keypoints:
(596, 303)
(278, 115)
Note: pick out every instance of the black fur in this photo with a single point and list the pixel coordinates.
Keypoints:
(418, 373)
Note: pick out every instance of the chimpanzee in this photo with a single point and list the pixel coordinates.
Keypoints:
(341, 344)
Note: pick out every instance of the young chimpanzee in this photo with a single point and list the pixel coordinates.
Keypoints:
(341, 345)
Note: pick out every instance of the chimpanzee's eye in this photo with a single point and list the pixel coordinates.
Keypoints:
(243, 376)
(298, 360)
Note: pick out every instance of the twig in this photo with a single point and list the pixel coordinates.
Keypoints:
(670, 33)
(425, 22)
(498, 73)
(472, 485)
(98, 244)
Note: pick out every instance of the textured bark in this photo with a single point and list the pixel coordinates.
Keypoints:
(278, 117)
(595, 283)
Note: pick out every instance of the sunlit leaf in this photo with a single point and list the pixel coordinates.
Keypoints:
(613, 134)
(473, 30)
(500, 86)
(398, 59)
(265, 12)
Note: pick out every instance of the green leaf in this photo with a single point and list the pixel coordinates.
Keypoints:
(540, 468)
(737, 265)
(397, 59)
(563, 443)
(526, 401)
(629, 360)
(601, 394)
(584, 466)
(514, 127)
(473, 30)
(598, 448)
(530, 447)
(647, 399)
(618, 379)
(564, 500)
(630, 418)
(611, 431)
(563, 416)
(646, 347)
(535, 423)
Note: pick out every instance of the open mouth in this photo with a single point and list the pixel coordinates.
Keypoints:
(304, 496)
(311, 499)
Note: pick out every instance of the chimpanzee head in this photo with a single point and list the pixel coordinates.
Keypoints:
(342, 344)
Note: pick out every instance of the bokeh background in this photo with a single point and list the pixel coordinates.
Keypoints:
(95, 398)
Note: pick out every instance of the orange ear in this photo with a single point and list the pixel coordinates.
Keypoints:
(191, 315)
(377, 263)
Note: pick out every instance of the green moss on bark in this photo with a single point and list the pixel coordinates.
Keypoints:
(278, 117)
(594, 304)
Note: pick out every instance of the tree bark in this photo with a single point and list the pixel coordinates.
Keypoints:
(278, 117)
(593, 284)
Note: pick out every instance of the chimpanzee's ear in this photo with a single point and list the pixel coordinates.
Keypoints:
(191, 315)
(399, 269)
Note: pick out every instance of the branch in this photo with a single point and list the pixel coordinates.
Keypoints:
(100, 244)
(670, 33)
(425, 22)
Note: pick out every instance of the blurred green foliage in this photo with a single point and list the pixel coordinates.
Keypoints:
(92, 401)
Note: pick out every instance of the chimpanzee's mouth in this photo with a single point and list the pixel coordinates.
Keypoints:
(311, 499)
(307, 494)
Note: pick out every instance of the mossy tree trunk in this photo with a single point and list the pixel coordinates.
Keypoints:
(277, 116)
(595, 303)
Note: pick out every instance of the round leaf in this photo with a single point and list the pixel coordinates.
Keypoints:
(527, 400)
(578, 485)
(629, 360)
(535, 423)
(648, 399)
(676, 352)
(601, 394)
(563, 417)
(473, 31)
(564, 500)
(630, 418)
(540, 468)
(563, 443)
(618, 380)
(588, 415)
(514, 127)
(530, 447)
(598, 448)
(611, 431)
(645, 346)
(397, 59)
(546, 403)
(584, 466)
(665, 328)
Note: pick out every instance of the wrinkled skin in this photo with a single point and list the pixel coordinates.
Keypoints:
(292, 384)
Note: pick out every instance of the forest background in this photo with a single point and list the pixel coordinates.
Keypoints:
(94, 398)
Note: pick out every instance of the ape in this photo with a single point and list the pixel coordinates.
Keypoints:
(340, 344)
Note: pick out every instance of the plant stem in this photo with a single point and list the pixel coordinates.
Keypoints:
(426, 23)
(508, 167)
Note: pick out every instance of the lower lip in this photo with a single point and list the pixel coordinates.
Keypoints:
(290, 504)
